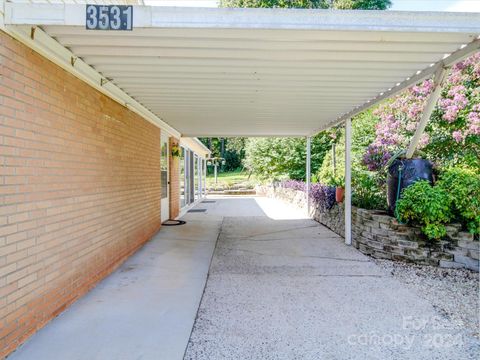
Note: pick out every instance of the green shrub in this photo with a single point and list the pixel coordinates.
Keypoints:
(427, 206)
(363, 134)
(462, 186)
(335, 181)
(285, 157)
(366, 191)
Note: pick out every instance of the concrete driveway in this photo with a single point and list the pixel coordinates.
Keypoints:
(280, 286)
(283, 287)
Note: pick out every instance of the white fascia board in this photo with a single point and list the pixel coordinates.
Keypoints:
(293, 134)
(296, 19)
(52, 50)
(196, 146)
(313, 19)
(202, 146)
(2, 14)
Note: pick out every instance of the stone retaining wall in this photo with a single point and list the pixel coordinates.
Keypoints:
(381, 236)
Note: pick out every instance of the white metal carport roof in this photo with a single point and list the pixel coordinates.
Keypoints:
(250, 72)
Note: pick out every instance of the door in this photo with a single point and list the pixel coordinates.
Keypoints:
(195, 180)
(191, 177)
(204, 177)
(183, 175)
(164, 180)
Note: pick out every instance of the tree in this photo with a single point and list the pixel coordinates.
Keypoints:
(304, 4)
(363, 134)
(233, 151)
(275, 158)
(310, 4)
(361, 4)
(452, 135)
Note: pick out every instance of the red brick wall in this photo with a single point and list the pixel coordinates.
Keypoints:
(174, 164)
(79, 189)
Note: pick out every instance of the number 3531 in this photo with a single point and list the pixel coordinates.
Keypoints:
(109, 17)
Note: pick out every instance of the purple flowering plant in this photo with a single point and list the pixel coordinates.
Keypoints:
(293, 184)
(453, 130)
(322, 195)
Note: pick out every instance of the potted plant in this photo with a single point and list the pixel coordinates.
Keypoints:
(175, 151)
(339, 183)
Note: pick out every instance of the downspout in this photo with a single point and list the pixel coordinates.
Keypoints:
(348, 181)
(2, 14)
(308, 173)
(334, 160)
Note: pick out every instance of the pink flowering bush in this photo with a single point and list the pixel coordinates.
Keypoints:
(453, 133)
(456, 121)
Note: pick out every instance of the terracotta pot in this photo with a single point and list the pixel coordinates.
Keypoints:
(339, 194)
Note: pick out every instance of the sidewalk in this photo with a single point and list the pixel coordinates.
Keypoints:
(145, 310)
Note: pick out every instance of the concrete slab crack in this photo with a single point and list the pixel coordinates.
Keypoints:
(299, 256)
(274, 232)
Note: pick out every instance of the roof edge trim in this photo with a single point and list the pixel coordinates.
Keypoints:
(61, 56)
(249, 18)
(196, 145)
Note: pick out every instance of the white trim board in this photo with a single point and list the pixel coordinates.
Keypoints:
(295, 19)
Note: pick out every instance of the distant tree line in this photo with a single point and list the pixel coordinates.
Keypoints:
(231, 149)
(310, 4)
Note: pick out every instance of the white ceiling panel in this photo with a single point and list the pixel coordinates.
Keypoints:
(259, 72)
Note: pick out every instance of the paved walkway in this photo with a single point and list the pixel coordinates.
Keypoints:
(285, 288)
(145, 310)
(280, 287)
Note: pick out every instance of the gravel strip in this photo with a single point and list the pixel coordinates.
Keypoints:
(454, 293)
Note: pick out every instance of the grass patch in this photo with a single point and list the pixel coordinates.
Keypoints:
(229, 180)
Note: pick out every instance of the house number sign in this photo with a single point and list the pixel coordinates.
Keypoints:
(109, 17)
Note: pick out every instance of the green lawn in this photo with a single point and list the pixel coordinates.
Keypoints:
(231, 179)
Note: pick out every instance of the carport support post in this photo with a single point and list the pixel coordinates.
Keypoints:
(308, 175)
(348, 182)
(427, 111)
